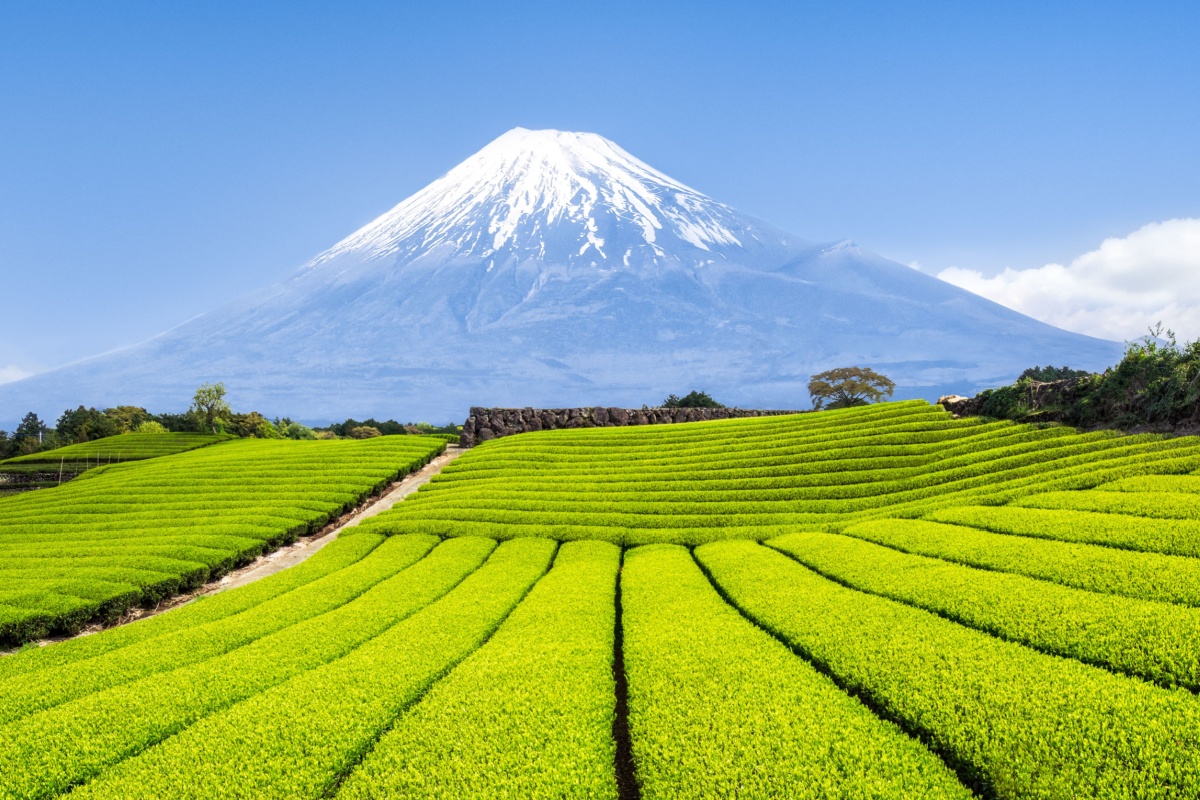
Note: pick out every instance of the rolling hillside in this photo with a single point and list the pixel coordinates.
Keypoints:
(758, 478)
(873, 602)
(143, 531)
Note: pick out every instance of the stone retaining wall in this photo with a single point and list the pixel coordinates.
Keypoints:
(492, 423)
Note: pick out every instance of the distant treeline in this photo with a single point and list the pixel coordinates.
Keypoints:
(82, 424)
(354, 429)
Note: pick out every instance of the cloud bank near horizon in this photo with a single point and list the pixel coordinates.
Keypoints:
(1117, 291)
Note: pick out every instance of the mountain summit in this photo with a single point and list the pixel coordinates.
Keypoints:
(555, 269)
(554, 196)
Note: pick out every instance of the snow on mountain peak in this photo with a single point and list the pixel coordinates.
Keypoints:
(555, 195)
(554, 269)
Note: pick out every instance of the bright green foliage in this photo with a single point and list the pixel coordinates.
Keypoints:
(1019, 645)
(1170, 537)
(718, 708)
(210, 407)
(1156, 641)
(339, 553)
(25, 694)
(301, 738)
(763, 477)
(528, 715)
(146, 530)
(1014, 722)
(1183, 484)
(61, 746)
(127, 447)
(1146, 576)
(1159, 505)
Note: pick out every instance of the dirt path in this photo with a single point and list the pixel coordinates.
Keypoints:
(288, 555)
(293, 554)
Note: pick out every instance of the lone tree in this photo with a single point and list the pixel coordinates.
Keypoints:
(209, 405)
(848, 386)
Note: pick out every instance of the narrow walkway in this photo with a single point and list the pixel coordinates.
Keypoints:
(293, 554)
(286, 556)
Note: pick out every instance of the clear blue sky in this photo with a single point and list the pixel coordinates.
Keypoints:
(157, 159)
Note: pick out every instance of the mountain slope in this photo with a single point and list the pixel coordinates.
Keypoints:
(554, 268)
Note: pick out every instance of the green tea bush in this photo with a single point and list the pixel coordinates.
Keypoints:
(301, 738)
(529, 714)
(50, 751)
(178, 520)
(341, 552)
(1156, 641)
(1145, 576)
(718, 708)
(1015, 723)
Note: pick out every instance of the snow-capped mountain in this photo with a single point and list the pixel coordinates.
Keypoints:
(559, 197)
(554, 268)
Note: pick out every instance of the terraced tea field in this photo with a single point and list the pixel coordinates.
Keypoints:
(145, 530)
(872, 603)
(53, 467)
(115, 449)
(765, 477)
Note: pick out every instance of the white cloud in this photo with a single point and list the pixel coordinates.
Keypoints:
(12, 373)
(1116, 291)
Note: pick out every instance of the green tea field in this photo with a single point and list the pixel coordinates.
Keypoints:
(115, 449)
(878, 602)
(53, 467)
(145, 530)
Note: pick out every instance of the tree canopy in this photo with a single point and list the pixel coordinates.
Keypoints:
(210, 406)
(85, 424)
(849, 386)
(692, 399)
(1155, 386)
(209, 412)
(1049, 373)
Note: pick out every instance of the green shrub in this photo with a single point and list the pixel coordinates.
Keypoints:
(294, 430)
(1156, 641)
(1013, 722)
(186, 518)
(1156, 385)
(1048, 373)
(300, 738)
(529, 713)
(692, 399)
(718, 708)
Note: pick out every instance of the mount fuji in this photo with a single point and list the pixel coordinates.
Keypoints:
(555, 269)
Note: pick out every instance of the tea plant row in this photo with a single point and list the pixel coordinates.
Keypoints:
(142, 531)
